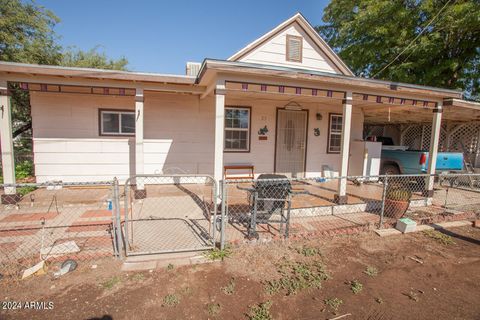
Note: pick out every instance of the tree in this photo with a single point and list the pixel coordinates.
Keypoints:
(74, 57)
(369, 35)
(27, 35)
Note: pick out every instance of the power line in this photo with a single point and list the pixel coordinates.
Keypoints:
(411, 42)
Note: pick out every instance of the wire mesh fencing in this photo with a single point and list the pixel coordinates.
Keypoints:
(169, 213)
(54, 222)
(276, 207)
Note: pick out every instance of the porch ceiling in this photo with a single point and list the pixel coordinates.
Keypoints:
(385, 114)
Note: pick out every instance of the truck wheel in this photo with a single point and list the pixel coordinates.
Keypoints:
(390, 170)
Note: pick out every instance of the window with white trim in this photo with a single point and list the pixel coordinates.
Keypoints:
(335, 133)
(237, 129)
(120, 123)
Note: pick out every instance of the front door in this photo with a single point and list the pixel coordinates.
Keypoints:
(291, 141)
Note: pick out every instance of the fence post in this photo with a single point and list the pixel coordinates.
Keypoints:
(223, 214)
(384, 193)
(117, 222)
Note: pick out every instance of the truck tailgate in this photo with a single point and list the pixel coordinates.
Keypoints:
(449, 161)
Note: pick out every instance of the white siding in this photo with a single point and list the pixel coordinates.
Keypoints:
(179, 134)
(272, 52)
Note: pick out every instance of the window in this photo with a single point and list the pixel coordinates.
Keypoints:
(294, 48)
(237, 129)
(117, 122)
(335, 133)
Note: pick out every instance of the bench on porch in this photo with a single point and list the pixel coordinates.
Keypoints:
(247, 167)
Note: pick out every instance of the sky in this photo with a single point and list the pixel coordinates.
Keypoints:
(161, 36)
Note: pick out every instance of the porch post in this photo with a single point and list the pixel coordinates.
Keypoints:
(341, 196)
(139, 158)
(219, 130)
(432, 155)
(6, 144)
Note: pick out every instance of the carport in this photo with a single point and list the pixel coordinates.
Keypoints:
(458, 131)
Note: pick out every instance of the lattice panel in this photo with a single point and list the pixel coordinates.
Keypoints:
(417, 137)
(412, 137)
(374, 130)
(468, 135)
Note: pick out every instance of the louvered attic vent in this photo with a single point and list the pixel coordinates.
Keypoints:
(294, 48)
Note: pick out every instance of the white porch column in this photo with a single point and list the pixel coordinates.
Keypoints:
(341, 196)
(219, 130)
(139, 157)
(6, 144)
(432, 155)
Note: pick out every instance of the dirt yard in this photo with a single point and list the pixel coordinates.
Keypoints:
(417, 276)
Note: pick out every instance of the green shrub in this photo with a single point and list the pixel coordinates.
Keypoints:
(24, 169)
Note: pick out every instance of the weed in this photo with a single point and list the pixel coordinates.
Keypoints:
(371, 271)
(296, 276)
(229, 289)
(170, 300)
(25, 190)
(333, 303)
(261, 311)
(110, 283)
(356, 286)
(308, 251)
(379, 300)
(218, 254)
(439, 237)
(213, 309)
(138, 277)
(170, 267)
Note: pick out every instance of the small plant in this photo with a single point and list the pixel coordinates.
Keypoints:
(356, 286)
(371, 271)
(218, 254)
(308, 251)
(138, 277)
(379, 300)
(398, 194)
(213, 309)
(229, 289)
(170, 300)
(24, 169)
(333, 303)
(261, 311)
(170, 267)
(25, 190)
(439, 237)
(296, 276)
(110, 283)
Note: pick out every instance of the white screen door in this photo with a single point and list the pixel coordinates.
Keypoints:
(291, 142)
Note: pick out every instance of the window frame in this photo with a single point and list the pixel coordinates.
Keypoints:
(114, 111)
(287, 48)
(248, 130)
(330, 133)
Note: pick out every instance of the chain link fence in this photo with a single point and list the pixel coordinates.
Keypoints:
(276, 207)
(153, 214)
(169, 213)
(54, 222)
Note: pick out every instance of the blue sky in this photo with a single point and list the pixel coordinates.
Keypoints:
(160, 36)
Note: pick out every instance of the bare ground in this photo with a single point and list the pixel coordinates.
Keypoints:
(418, 277)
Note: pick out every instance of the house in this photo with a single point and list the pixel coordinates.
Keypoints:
(285, 103)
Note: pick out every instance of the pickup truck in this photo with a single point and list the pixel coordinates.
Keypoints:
(399, 160)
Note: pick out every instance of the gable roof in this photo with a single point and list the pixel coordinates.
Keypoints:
(309, 30)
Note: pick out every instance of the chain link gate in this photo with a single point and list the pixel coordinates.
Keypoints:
(169, 213)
